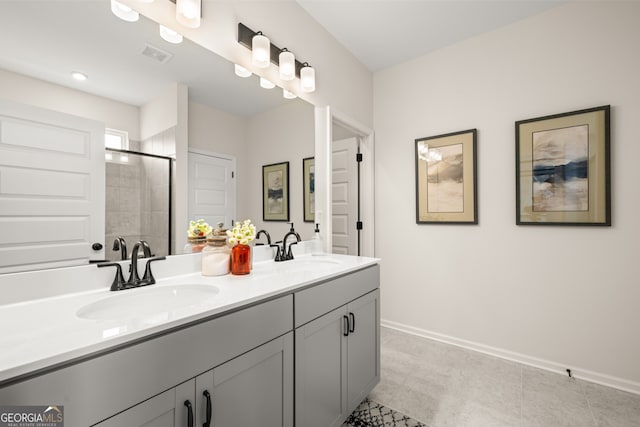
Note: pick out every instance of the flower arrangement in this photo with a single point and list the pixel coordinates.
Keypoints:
(243, 232)
(199, 228)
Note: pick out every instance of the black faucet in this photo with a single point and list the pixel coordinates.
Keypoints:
(278, 256)
(134, 280)
(119, 244)
(287, 255)
(266, 233)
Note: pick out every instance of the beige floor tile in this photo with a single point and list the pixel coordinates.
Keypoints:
(611, 407)
(447, 386)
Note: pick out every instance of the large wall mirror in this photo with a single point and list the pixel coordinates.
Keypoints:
(134, 86)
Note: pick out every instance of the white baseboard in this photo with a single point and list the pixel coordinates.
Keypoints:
(548, 365)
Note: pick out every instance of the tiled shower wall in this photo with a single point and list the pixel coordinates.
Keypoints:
(137, 196)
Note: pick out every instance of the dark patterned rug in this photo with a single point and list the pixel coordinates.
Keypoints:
(373, 414)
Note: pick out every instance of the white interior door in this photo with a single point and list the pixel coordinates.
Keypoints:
(52, 188)
(344, 196)
(212, 189)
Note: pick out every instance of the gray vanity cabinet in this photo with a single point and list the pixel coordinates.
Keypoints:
(167, 409)
(254, 389)
(337, 354)
(146, 383)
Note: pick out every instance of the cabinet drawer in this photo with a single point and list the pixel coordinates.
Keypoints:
(97, 388)
(313, 302)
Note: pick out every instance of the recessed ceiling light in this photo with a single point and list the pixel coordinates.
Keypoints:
(79, 76)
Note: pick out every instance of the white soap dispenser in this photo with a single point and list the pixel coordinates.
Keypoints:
(316, 242)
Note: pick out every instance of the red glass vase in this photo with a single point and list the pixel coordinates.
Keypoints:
(240, 259)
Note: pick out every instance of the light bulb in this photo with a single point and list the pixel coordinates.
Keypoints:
(242, 72)
(169, 35)
(188, 12)
(307, 78)
(288, 95)
(266, 83)
(124, 12)
(261, 51)
(287, 62)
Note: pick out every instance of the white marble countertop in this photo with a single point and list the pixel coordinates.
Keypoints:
(46, 332)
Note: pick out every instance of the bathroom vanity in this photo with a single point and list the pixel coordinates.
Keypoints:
(293, 343)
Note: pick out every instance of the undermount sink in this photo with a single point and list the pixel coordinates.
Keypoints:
(148, 303)
(315, 261)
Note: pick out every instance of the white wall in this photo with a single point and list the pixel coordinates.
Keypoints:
(558, 297)
(159, 114)
(222, 133)
(27, 90)
(279, 135)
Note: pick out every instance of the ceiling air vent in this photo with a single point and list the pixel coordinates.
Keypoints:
(157, 54)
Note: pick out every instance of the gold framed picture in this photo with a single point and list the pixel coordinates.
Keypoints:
(275, 192)
(446, 178)
(562, 169)
(309, 189)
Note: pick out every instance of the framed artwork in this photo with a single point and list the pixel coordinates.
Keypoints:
(446, 179)
(275, 192)
(562, 169)
(308, 187)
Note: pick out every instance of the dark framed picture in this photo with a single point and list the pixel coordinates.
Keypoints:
(275, 192)
(562, 169)
(446, 179)
(308, 188)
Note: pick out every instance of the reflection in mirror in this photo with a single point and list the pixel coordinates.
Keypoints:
(135, 84)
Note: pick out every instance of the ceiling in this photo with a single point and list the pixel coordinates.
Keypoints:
(383, 33)
(48, 39)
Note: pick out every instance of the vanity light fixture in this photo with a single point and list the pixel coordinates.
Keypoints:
(188, 12)
(307, 78)
(261, 50)
(266, 83)
(77, 75)
(263, 54)
(287, 65)
(242, 72)
(170, 35)
(124, 12)
(288, 95)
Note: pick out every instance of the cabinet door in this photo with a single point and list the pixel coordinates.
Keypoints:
(321, 349)
(363, 351)
(254, 389)
(167, 409)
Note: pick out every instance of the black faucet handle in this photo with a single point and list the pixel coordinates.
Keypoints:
(148, 278)
(290, 252)
(278, 256)
(118, 281)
